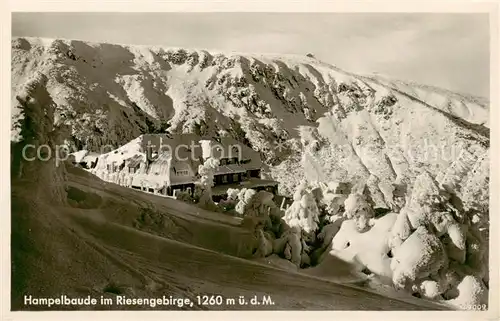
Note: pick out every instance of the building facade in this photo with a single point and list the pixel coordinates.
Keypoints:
(164, 164)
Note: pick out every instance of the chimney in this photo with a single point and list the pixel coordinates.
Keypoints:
(206, 148)
(149, 152)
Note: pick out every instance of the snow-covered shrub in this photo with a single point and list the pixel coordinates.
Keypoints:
(477, 252)
(244, 197)
(232, 193)
(429, 289)
(400, 231)
(474, 194)
(264, 244)
(304, 212)
(256, 208)
(455, 242)
(419, 256)
(185, 196)
(325, 237)
(330, 197)
(426, 199)
(227, 206)
(197, 192)
(429, 205)
(336, 187)
(435, 239)
(290, 246)
(361, 187)
(260, 204)
(367, 249)
(328, 232)
(472, 294)
(333, 203)
(357, 208)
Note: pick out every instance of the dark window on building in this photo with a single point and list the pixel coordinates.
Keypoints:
(224, 179)
(270, 189)
(254, 173)
(223, 161)
(236, 177)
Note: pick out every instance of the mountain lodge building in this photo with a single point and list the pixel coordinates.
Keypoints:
(165, 163)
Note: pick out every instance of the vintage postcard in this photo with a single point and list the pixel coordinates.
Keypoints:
(301, 159)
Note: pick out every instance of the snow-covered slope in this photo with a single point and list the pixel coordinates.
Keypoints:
(310, 120)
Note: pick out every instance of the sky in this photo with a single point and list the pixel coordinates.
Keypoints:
(448, 50)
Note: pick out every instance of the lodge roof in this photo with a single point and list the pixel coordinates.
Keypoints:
(180, 180)
(134, 161)
(186, 148)
(229, 169)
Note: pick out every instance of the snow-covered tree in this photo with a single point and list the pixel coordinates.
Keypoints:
(290, 246)
(358, 208)
(400, 231)
(34, 124)
(244, 197)
(366, 249)
(232, 194)
(419, 256)
(304, 212)
(436, 247)
(472, 294)
(264, 244)
(206, 171)
(330, 199)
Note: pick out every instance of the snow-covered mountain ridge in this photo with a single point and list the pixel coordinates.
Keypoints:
(305, 116)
